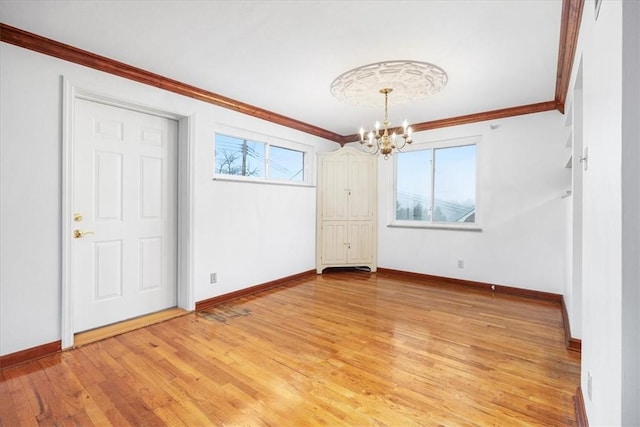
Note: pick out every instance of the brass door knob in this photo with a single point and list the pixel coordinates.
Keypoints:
(77, 234)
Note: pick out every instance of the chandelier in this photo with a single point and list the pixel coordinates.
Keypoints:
(381, 141)
(408, 80)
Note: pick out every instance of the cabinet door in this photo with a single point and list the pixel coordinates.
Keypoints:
(361, 188)
(360, 242)
(334, 242)
(333, 188)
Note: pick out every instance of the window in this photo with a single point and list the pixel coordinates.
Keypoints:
(259, 161)
(436, 186)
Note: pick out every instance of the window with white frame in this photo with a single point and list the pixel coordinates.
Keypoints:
(244, 158)
(436, 185)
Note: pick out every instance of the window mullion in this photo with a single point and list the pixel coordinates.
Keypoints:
(433, 185)
(267, 162)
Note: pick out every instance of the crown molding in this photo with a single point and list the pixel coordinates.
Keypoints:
(571, 16)
(470, 118)
(27, 40)
(569, 30)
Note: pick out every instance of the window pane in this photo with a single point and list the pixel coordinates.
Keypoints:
(413, 185)
(285, 164)
(236, 156)
(455, 184)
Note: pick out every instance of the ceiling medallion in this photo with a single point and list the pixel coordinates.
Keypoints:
(410, 80)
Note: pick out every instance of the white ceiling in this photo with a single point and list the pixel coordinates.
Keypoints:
(282, 56)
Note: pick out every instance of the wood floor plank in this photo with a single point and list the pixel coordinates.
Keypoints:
(17, 411)
(336, 349)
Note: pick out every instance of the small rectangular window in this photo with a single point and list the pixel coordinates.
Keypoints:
(436, 185)
(286, 164)
(236, 156)
(259, 161)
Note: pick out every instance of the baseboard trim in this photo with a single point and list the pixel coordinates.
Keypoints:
(573, 344)
(29, 354)
(211, 302)
(509, 290)
(580, 409)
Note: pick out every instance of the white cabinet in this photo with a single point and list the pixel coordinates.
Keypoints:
(346, 221)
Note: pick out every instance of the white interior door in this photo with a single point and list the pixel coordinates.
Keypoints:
(124, 198)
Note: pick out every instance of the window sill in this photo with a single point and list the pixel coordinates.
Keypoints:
(437, 226)
(261, 181)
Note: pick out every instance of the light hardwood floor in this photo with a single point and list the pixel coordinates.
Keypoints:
(338, 349)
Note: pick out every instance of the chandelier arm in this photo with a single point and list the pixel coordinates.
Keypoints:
(382, 141)
(370, 149)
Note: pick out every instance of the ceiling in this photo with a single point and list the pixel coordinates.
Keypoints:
(282, 56)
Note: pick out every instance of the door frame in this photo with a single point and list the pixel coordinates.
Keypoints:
(185, 177)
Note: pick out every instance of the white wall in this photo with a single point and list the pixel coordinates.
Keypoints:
(602, 90)
(610, 337)
(521, 180)
(247, 233)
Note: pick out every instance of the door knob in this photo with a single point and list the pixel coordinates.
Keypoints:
(77, 234)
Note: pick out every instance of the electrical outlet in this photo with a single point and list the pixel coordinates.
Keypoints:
(213, 278)
(460, 263)
(589, 384)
